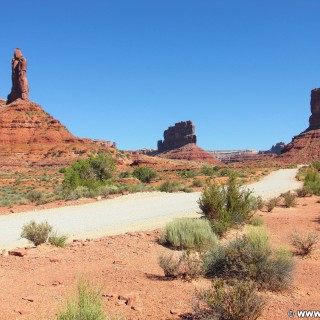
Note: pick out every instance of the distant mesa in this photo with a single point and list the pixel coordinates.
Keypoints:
(180, 143)
(305, 147)
(275, 149)
(177, 136)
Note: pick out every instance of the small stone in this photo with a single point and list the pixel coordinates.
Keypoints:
(17, 252)
(175, 311)
(29, 298)
(55, 260)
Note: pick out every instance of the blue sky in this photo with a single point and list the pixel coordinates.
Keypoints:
(124, 71)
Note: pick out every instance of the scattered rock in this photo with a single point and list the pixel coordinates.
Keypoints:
(18, 252)
(175, 311)
(29, 298)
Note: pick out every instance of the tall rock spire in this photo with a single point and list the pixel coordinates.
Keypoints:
(20, 88)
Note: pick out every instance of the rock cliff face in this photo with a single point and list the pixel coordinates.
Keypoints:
(181, 134)
(29, 135)
(305, 147)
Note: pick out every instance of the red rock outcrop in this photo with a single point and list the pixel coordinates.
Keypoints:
(29, 135)
(20, 88)
(176, 136)
(305, 147)
(190, 152)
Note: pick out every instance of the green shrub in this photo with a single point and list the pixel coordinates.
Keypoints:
(144, 174)
(58, 240)
(185, 265)
(304, 244)
(312, 180)
(207, 171)
(169, 186)
(289, 199)
(250, 257)
(272, 203)
(197, 183)
(188, 233)
(230, 204)
(187, 173)
(256, 221)
(34, 196)
(235, 300)
(87, 305)
(125, 174)
(90, 173)
(36, 232)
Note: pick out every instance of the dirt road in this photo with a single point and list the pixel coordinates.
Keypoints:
(142, 211)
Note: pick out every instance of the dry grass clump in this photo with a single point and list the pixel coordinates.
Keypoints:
(305, 243)
(58, 240)
(232, 300)
(37, 233)
(188, 233)
(87, 305)
(184, 265)
(289, 199)
(272, 203)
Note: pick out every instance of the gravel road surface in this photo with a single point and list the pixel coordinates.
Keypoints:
(134, 212)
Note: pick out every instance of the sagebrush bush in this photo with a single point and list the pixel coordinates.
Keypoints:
(37, 233)
(230, 204)
(169, 186)
(188, 233)
(272, 203)
(184, 265)
(87, 305)
(58, 240)
(304, 192)
(312, 180)
(144, 174)
(289, 199)
(232, 300)
(34, 196)
(197, 183)
(250, 257)
(304, 243)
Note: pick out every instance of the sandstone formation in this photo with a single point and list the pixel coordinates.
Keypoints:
(179, 135)
(20, 88)
(275, 149)
(190, 152)
(305, 147)
(30, 136)
(314, 120)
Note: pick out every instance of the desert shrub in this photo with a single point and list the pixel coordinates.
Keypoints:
(170, 264)
(207, 171)
(220, 227)
(250, 257)
(188, 233)
(144, 174)
(226, 172)
(36, 232)
(90, 173)
(58, 240)
(230, 204)
(233, 300)
(185, 265)
(87, 305)
(187, 173)
(272, 203)
(305, 243)
(304, 192)
(125, 174)
(197, 183)
(256, 221)
(34, 196)
(169, 186)
(312, 179)
(289, 199)
(256, 203)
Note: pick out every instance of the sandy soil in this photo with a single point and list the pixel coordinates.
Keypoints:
(34, 286)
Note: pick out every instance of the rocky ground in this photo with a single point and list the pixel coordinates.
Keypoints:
(125, 266)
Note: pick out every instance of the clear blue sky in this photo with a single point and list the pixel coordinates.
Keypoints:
(124, 71)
